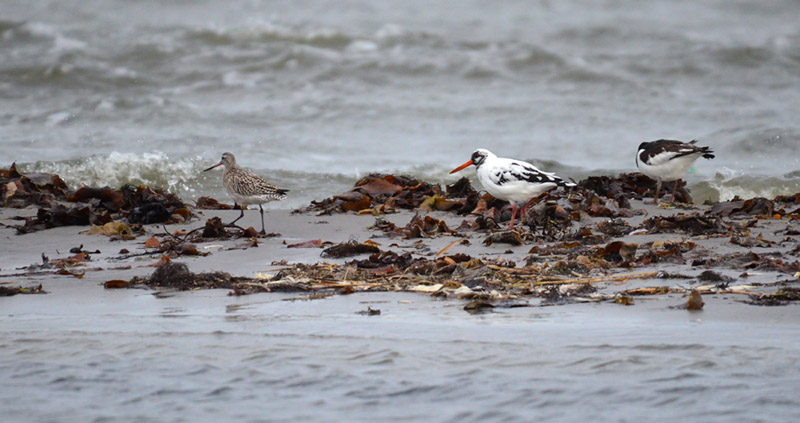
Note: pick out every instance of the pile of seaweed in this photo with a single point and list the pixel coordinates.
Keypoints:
(19, 191)
(492, 281)
(381, 193)
(60, 206)
(600, 196)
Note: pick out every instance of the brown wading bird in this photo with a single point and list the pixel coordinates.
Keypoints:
(247, 187)
(668, 160)
(512, 180)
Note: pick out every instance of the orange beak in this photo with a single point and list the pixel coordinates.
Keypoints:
(469, 163)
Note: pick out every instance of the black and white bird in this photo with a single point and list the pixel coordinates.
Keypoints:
(512, 180)
(247, 187)
(669, 160)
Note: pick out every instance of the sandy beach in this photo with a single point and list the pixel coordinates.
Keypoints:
(437, 326)
(22, 255)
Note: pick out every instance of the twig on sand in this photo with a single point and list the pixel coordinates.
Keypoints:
(598, 279)
(443, 250)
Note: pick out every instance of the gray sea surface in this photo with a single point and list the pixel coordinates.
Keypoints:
(203, 356)
(314, 94)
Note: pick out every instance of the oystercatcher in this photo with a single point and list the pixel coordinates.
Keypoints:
(512, 180)
(247, 187)
(669, 160)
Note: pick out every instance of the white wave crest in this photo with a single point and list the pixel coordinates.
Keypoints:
(156, 169)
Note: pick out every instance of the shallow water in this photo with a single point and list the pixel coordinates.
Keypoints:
(313, 96)
(203, 356)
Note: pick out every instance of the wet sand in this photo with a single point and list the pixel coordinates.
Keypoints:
(237, 258)
(83, 352)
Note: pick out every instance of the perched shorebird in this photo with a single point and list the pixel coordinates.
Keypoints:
(668, 160)
(512, 180)
(247, 187)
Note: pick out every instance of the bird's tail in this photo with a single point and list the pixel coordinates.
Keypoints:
(563, 183)
(707, 152)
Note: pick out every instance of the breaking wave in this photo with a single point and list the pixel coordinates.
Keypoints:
(181, 176)
(185, 177)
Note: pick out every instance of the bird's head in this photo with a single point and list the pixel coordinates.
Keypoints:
(227, 160)
(478, 157)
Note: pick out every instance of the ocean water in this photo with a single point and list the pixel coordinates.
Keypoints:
(206, 357)
(313, 95)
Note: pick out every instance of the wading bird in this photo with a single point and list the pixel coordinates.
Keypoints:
(668, 160)
(512, 180)
(247, 187)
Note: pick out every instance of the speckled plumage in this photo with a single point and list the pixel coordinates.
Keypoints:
(247, 187)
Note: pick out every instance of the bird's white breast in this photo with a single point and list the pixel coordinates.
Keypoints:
(666, 166)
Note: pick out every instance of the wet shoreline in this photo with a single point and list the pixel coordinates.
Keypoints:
(351, 341)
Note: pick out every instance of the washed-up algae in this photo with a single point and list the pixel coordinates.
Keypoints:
(60, 206)
(575, 235)
(8, 291)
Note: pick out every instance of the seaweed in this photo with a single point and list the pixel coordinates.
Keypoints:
(19, 191)
(9, 291)
(349, 249)
(693, 225)
(381, 192)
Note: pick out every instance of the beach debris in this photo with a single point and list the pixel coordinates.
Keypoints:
(750, 261)
(425, 227)
(621, 188)
(505, 237)
(712, 276)
(478, 305)
(370, 312)
(215, 229)
(383, 193)
(581, 240)
(759, 207)
(624, 299)
(693, 224)
(349, 249)
(80, 249)
(314, 243)
(177, 275)
(751, 241)
(137, 204)
(19, 191)
(114, 230)
(615, 227)
(59, 215)
(781, 297)
(152, 242)
(116, 284)
(209, 203)
(695, 301)
(188, 249)
(9, 291)
(98, 206)
(617, 252)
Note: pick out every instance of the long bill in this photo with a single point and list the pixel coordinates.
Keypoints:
(218, 164)
(469, 163)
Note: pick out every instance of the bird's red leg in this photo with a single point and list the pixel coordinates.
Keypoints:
(674, 188)
(658, 190)
(523, 214)
(513, 213)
